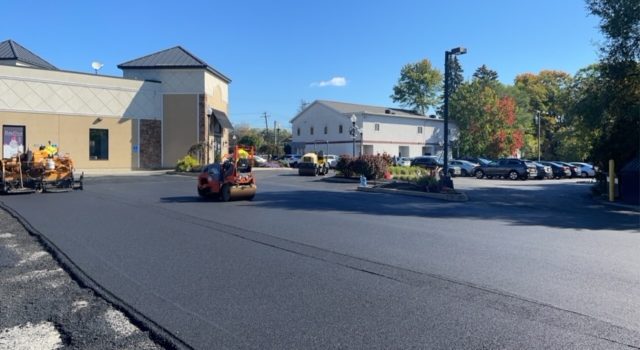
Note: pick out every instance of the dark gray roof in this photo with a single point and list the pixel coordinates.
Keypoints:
(175, 57)
(11, 50)
(343, 107)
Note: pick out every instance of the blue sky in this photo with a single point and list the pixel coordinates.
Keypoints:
(279, 52)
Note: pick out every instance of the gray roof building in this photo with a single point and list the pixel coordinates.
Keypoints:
(173, 58)
(12, 53)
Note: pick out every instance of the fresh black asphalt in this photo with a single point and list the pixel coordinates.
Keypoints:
(310, 264)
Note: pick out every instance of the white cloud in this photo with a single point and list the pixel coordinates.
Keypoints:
(335, 81)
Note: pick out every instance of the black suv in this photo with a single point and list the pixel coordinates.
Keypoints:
(511, 168)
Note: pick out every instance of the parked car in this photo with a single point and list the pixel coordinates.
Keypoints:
(544, 171)
(431, 162)
(586, 169)
(403, 161)
(559, 170)
(292, 159)
(575, 170)
(477, 160)
(467, 168)
(332, 159)
(259, 161)
(511, 168)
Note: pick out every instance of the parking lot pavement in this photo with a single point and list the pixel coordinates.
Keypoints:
(42, 307)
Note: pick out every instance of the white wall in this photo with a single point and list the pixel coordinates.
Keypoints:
(394, 132)
(57, 92)
(214, 85)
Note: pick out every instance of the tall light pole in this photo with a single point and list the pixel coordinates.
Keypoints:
(277, 129)
(447, 72)
(538, 120)
(354, 132)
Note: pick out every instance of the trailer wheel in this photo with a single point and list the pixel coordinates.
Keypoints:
(225, 193)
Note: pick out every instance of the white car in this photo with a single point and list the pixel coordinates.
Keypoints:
(467, 168)
(586, 170)
(259, 161)
(332, 159)
(403, 161)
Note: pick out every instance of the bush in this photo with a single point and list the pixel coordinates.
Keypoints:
(188, 163)
(344, 165)
(371, 167)
(429, 183)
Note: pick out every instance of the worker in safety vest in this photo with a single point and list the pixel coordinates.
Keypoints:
(51, 149)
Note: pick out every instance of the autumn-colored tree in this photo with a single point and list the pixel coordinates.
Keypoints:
(487, 122)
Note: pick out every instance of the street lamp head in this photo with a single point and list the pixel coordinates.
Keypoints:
(353, 119)
(458, 51)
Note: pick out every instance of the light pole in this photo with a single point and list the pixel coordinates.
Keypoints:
(353, 132)
(538, 120)
(277, 128)
(447, 58)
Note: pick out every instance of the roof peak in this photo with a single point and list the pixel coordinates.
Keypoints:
(174, 57)
(11, 50)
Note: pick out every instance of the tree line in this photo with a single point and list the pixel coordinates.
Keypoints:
(593, 115)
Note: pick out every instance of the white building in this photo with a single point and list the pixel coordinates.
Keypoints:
(325, 125)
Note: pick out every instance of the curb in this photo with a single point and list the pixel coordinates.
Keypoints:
(451, 197)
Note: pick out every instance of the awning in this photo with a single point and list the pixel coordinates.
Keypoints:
(222, 118)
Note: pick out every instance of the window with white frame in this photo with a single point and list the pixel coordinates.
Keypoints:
(340, 129)
(419, 130)
(377, 127)
(311, 130)
(326, 130)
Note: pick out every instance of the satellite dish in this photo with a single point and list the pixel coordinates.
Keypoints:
(96, 65)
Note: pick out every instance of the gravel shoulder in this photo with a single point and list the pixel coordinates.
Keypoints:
(43, 307)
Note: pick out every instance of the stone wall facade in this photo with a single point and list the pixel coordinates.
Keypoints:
(150, 144)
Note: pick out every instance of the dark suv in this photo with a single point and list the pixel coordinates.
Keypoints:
(431, 162)
(511, 168)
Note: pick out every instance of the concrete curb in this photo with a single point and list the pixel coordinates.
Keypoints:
(451, 197)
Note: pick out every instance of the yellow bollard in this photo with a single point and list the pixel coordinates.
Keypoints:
(612, 180)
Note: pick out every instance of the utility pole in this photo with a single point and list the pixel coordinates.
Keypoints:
(266, 124)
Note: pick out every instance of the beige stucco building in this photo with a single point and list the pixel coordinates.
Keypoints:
(164, 104)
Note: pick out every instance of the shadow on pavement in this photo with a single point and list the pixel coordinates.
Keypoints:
(525, 206)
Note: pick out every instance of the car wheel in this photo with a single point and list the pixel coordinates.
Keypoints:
(465, 172)
(225, 193)
(202, 193)
(584, 174)
(513, 175)
(479, 174)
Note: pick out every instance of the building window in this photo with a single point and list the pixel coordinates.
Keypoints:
(377, 127)
(298, 132)
(340, 129)
(419, 130)
(311, 131)
(326, 130)
(98, 144)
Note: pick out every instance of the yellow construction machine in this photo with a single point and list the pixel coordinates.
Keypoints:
(313, 164)
(39, 171)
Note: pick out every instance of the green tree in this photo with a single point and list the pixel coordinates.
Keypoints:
(620, 24)
(618, 83)
(418, 87)
(486, 76)
(548, 95)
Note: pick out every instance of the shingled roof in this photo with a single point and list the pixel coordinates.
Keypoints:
(11, 50)
(173, 58)
(344, 108)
